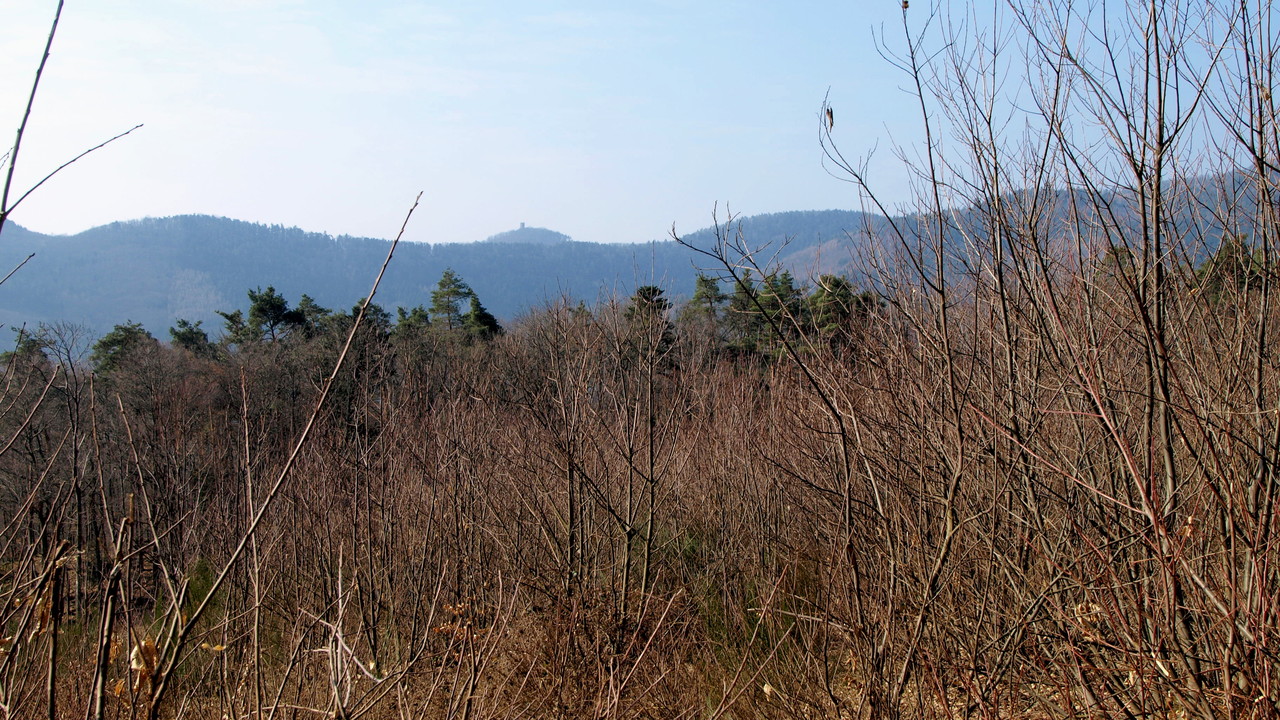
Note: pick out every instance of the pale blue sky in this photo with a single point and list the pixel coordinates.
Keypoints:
(607, 121)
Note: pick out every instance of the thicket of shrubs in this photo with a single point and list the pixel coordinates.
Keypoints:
(1029, 469)
(749, 508)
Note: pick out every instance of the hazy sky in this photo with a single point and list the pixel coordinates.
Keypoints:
(606, 121)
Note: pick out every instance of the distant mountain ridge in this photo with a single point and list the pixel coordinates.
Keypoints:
(157, 270)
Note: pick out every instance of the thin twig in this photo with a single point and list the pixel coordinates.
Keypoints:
(26, 115)
(16, 269)
(67, 164)
(172, 653)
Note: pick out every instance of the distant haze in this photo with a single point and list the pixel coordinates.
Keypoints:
(606, 121)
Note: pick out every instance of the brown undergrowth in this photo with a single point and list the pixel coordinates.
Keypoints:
(1030, 472)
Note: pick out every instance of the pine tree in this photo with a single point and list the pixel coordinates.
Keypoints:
(447, 299)
(834, 307)
(270, 316)
(113, 349)
(192, 338)
(1234, 268)
(708, 295)
(743, 320)
(411, 322)
(479, 323)
(313, 315)
(647, 312)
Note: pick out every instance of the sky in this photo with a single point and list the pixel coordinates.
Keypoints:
(605, 121)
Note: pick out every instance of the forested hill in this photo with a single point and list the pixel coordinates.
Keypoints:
(155, 271)
(817, 240)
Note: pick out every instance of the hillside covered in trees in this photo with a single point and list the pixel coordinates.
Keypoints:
(156, 271)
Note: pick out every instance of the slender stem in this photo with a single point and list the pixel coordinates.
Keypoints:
(26, 115)
(172, 653)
